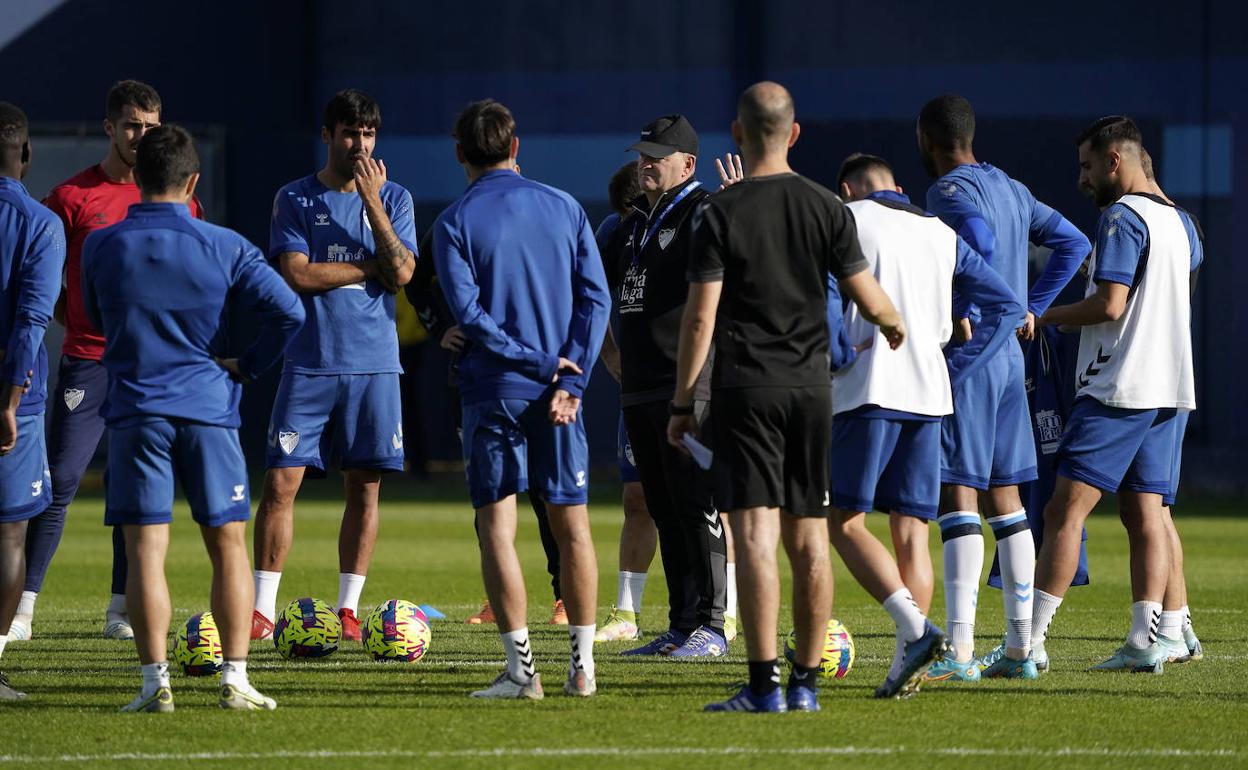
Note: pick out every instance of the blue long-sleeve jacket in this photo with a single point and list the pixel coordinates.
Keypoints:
(998, 216)
(1000, 313)
(521, 273)
(32, 256)
(158, 284)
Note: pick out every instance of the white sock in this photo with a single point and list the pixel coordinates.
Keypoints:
(1042, 612)
(3, 641)
(155, 676)
(1145, 618)
(349, 588)
(234, 673)
(730, 606)
(266, 592)
(1171, 625)
(628, 596)
(26, 605)
(1016, 551)
(520, 666)
(905, 614)
(1187, 618)
(582, 649)
(964, 561)
(117, 605)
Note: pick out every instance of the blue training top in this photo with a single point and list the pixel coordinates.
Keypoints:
(998, 216)
(32, 256)
(524, 280)
(159, 285)
(350, 330)
(1122, 238)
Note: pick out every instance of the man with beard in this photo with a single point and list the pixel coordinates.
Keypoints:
(344, 238)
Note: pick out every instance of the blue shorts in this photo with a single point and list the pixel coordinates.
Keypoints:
(886, 465)
(624, 457)
(348, 420)
(510, 446)
(1180, 431)
(25, 482)
(1119, 449)
(987, 441)
(146, 455)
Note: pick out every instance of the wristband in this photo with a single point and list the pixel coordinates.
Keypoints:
(676, 410)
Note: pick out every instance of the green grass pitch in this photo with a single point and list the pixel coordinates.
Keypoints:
(347, 711)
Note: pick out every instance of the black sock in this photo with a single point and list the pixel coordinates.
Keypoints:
(764, 676)
(804, 677)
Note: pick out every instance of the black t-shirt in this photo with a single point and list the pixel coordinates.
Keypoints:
(772, 241)
(650, 284)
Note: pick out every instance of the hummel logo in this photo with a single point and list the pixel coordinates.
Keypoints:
(322, 220)
(73, 397)
(713, 524)
(238, 493)
(1022, 591)
(580, 478)
(1094, 367)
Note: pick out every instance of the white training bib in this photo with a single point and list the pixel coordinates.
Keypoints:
(913, 258)
(1144, 359)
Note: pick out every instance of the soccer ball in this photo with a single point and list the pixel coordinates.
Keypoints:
(307, 628)
(838, 651)
(396, 630)
(197, 647)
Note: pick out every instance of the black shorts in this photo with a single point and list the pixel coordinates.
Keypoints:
(771, 445)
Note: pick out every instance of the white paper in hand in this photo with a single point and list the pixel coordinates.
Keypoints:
(701, 455)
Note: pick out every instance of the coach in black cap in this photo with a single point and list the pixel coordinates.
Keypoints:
(646, 260)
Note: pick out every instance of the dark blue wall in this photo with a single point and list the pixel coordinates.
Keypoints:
(581, 77)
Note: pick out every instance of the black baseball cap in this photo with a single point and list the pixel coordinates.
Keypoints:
(668, 134)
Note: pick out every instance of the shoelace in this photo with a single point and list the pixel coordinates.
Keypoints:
(698, 637)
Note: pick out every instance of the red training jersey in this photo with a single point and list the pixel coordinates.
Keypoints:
(86, 202)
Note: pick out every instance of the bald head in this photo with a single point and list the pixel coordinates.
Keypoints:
(765, 112)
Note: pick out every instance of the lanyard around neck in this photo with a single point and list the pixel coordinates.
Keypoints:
(654, 223)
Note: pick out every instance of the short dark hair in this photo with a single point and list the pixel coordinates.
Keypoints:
(948, 121)
(352, 108)
(861, 163)
(623, 188)
(14, 130)
(1110, 130)
(166, 158)
(484, 131)
(130, 93)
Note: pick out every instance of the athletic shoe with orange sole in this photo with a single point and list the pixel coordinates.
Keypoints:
(558, 616)
(350, 626)
(261, 627)
(486, 615)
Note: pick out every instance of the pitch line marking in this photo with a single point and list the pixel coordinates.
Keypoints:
(630, 751)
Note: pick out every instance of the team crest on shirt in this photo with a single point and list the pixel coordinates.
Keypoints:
(288, 440)
(665, 236)
(73, 397)
(238, 493)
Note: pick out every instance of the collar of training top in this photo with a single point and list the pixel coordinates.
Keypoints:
(149, 209)
(889, 195)
(668, 134)
(642, 204)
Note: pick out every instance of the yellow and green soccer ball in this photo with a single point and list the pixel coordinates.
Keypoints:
(307, 628)
(838, 651)
(396, 630)
(197, 647)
